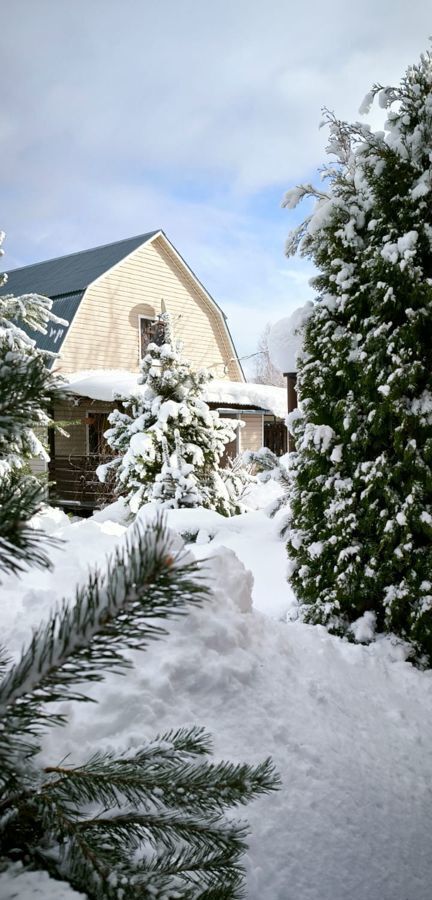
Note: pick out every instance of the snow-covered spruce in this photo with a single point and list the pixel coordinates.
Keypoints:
(361, 524)
(169, 443)
(27, 391)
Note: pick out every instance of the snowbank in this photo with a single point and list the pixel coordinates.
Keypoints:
(104, 384)
(19, 884)
(349, 726)
(286, 339)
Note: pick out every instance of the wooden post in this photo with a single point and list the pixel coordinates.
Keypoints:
(291, 378)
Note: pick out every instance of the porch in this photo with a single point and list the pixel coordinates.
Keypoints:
(78, 446)
(74, 484)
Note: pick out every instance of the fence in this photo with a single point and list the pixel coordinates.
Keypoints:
(74, 481)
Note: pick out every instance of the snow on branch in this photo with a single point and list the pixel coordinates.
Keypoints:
(152, 577)
(295, 195)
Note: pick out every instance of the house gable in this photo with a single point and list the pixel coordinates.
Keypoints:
(105, 330)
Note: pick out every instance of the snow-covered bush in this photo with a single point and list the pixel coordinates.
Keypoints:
(237, 477)
(361, 496)
(269, 467)
(27, 391)
(169, 443)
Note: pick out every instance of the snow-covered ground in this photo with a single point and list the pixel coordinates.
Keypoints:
(349, 727)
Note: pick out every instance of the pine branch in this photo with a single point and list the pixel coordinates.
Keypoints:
(33, 309)
(152, 822)
(161, 780)
(20, 544)
(152, 840)
(79, 642)
(32, 390)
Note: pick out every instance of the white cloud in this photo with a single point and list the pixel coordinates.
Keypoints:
(193, 117)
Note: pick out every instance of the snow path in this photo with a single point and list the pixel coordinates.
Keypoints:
(349, 727)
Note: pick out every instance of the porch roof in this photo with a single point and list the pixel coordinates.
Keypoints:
(108, 384)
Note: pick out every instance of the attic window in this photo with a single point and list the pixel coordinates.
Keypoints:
(150, 331)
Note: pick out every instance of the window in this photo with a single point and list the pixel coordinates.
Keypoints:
(151, 331)
(232, 448)
(97, 424)
(145, 328)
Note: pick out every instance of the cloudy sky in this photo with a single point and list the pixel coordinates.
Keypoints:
(193, 116)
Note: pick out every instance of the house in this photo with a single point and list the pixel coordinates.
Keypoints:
(111, 296)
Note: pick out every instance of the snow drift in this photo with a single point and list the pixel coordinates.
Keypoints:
(349, 726)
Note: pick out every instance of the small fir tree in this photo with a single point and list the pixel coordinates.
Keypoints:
(27, 392)
(361, 523)
(168, 428)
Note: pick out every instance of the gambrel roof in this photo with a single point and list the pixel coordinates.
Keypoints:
(65, 280)
(74, 272)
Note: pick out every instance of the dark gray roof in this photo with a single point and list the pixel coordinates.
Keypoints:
(65, 308)
(65, 280)
(71, 273)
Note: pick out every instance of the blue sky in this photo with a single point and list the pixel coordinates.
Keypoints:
(187, 115)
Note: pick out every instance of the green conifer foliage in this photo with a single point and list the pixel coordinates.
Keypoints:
(361, 522)
(150, 822)
(27, 391)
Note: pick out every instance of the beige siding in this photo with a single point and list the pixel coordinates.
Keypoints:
(38, 466)
(105, 331)
(251, 435)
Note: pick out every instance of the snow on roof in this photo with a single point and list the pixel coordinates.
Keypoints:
(286, 339)
(245, 393)
(102, 384)
(105, 384)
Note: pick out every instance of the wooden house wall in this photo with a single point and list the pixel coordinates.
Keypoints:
(74, 415)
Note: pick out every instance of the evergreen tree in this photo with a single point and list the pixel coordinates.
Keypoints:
(167, 431)
(27, 391)
(361, 523)
(144, 824)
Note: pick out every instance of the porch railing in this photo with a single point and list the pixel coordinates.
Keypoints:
(74, 481)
